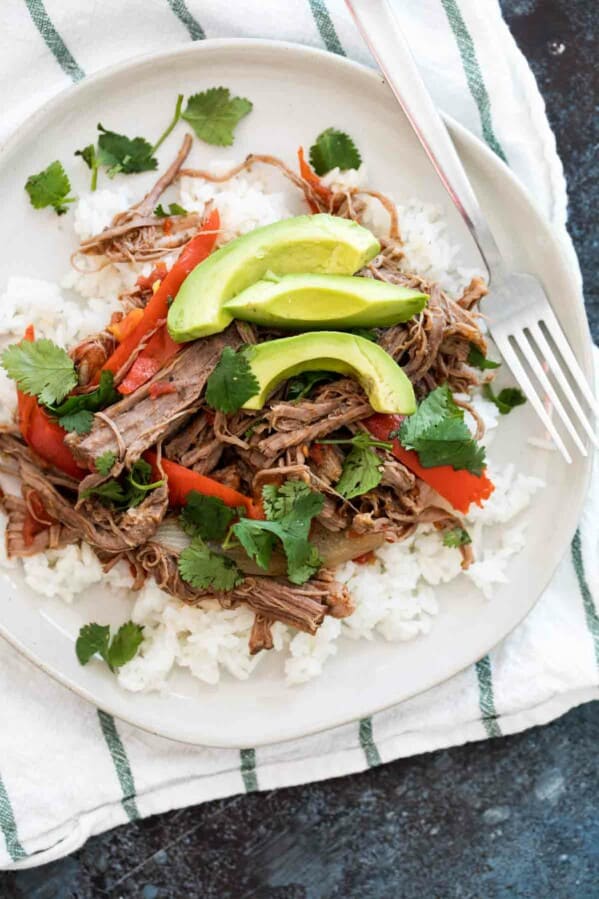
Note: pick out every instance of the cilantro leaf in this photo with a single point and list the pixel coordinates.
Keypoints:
(456, 537)
(40, 368)
(362, 471)
(213, 115)
(232, 382)
(90, 157)
(302, 385)
(173, 209)
(334, 149)
(80, 422)
(477, 360)
(129, 490)
(506, 400)
(92, 639)
(75, 413)
(105, 462)
(124, 645)
(259, 541)
(439, 435)
(120, 153)
(95, 638)
(206, 570)
(290, 510)
(206, 516)
(50, 187)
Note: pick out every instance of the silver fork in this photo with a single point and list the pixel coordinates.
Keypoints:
(521, 320)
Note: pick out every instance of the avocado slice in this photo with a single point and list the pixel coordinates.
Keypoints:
(388, 388)
(317, 243)
(317, 301)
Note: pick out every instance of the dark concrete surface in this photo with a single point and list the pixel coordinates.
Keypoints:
(514, 817)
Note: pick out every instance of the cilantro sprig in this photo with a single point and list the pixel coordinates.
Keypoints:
(232, 382)
(173, 209)
(362, 468)
(41, 369)
(439, 435)
(214, 115)
(94, 639)
(46, 371)
(50, 187)
(290, 510)
(456, 537)
(334, 149)
(125, 492)
(303, 384)
(506, 400)
(477, 360)
(206, 516)
(105, 462)
(76, 413)
(207, 570)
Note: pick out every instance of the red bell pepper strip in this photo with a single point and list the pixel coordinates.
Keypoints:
(42, 434)
(160, 348)
(157, 309)
(460, 488)
(181, 481)
(309, 175)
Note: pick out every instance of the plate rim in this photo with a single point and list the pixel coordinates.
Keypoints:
(23, 132)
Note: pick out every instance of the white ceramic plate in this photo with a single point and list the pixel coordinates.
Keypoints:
(297, 92)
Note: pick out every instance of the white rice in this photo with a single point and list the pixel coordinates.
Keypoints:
(395, 597)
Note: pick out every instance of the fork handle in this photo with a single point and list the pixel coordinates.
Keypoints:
(381, 30)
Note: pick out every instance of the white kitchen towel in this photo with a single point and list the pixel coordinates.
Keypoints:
(68, 770)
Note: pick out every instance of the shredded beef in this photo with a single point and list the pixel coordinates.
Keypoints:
(138, 421)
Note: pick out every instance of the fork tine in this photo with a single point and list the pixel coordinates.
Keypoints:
(532, 360)
(524, 381)
(564, 384)
(554, 328)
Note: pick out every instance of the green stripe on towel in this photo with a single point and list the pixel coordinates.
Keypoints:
(590, 612)
(247, 758)
(54, 42)
(367, 743)
(473, 74)
(486, 699)
(179, 7)
(121, 764)
(8, 825)
(325, 26)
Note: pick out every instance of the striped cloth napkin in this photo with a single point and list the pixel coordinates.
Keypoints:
(68, 770)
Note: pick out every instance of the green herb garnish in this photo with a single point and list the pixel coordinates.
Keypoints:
(207, 570)
(213, 115)
(506, 400)
(41, 369)
(232, 382)
(362, 468)
(94, 639)
(334, 149)
(105, 462)
(90, 157)
(119, 153)
(302, 385)
(127, 491)
(50, 187)
(439, 435)
(456, 537)
(289, 510)
(173, 209)
(206, 516)
(477, 360)
(76, 413)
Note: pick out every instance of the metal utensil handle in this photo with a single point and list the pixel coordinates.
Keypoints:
(380, 28)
